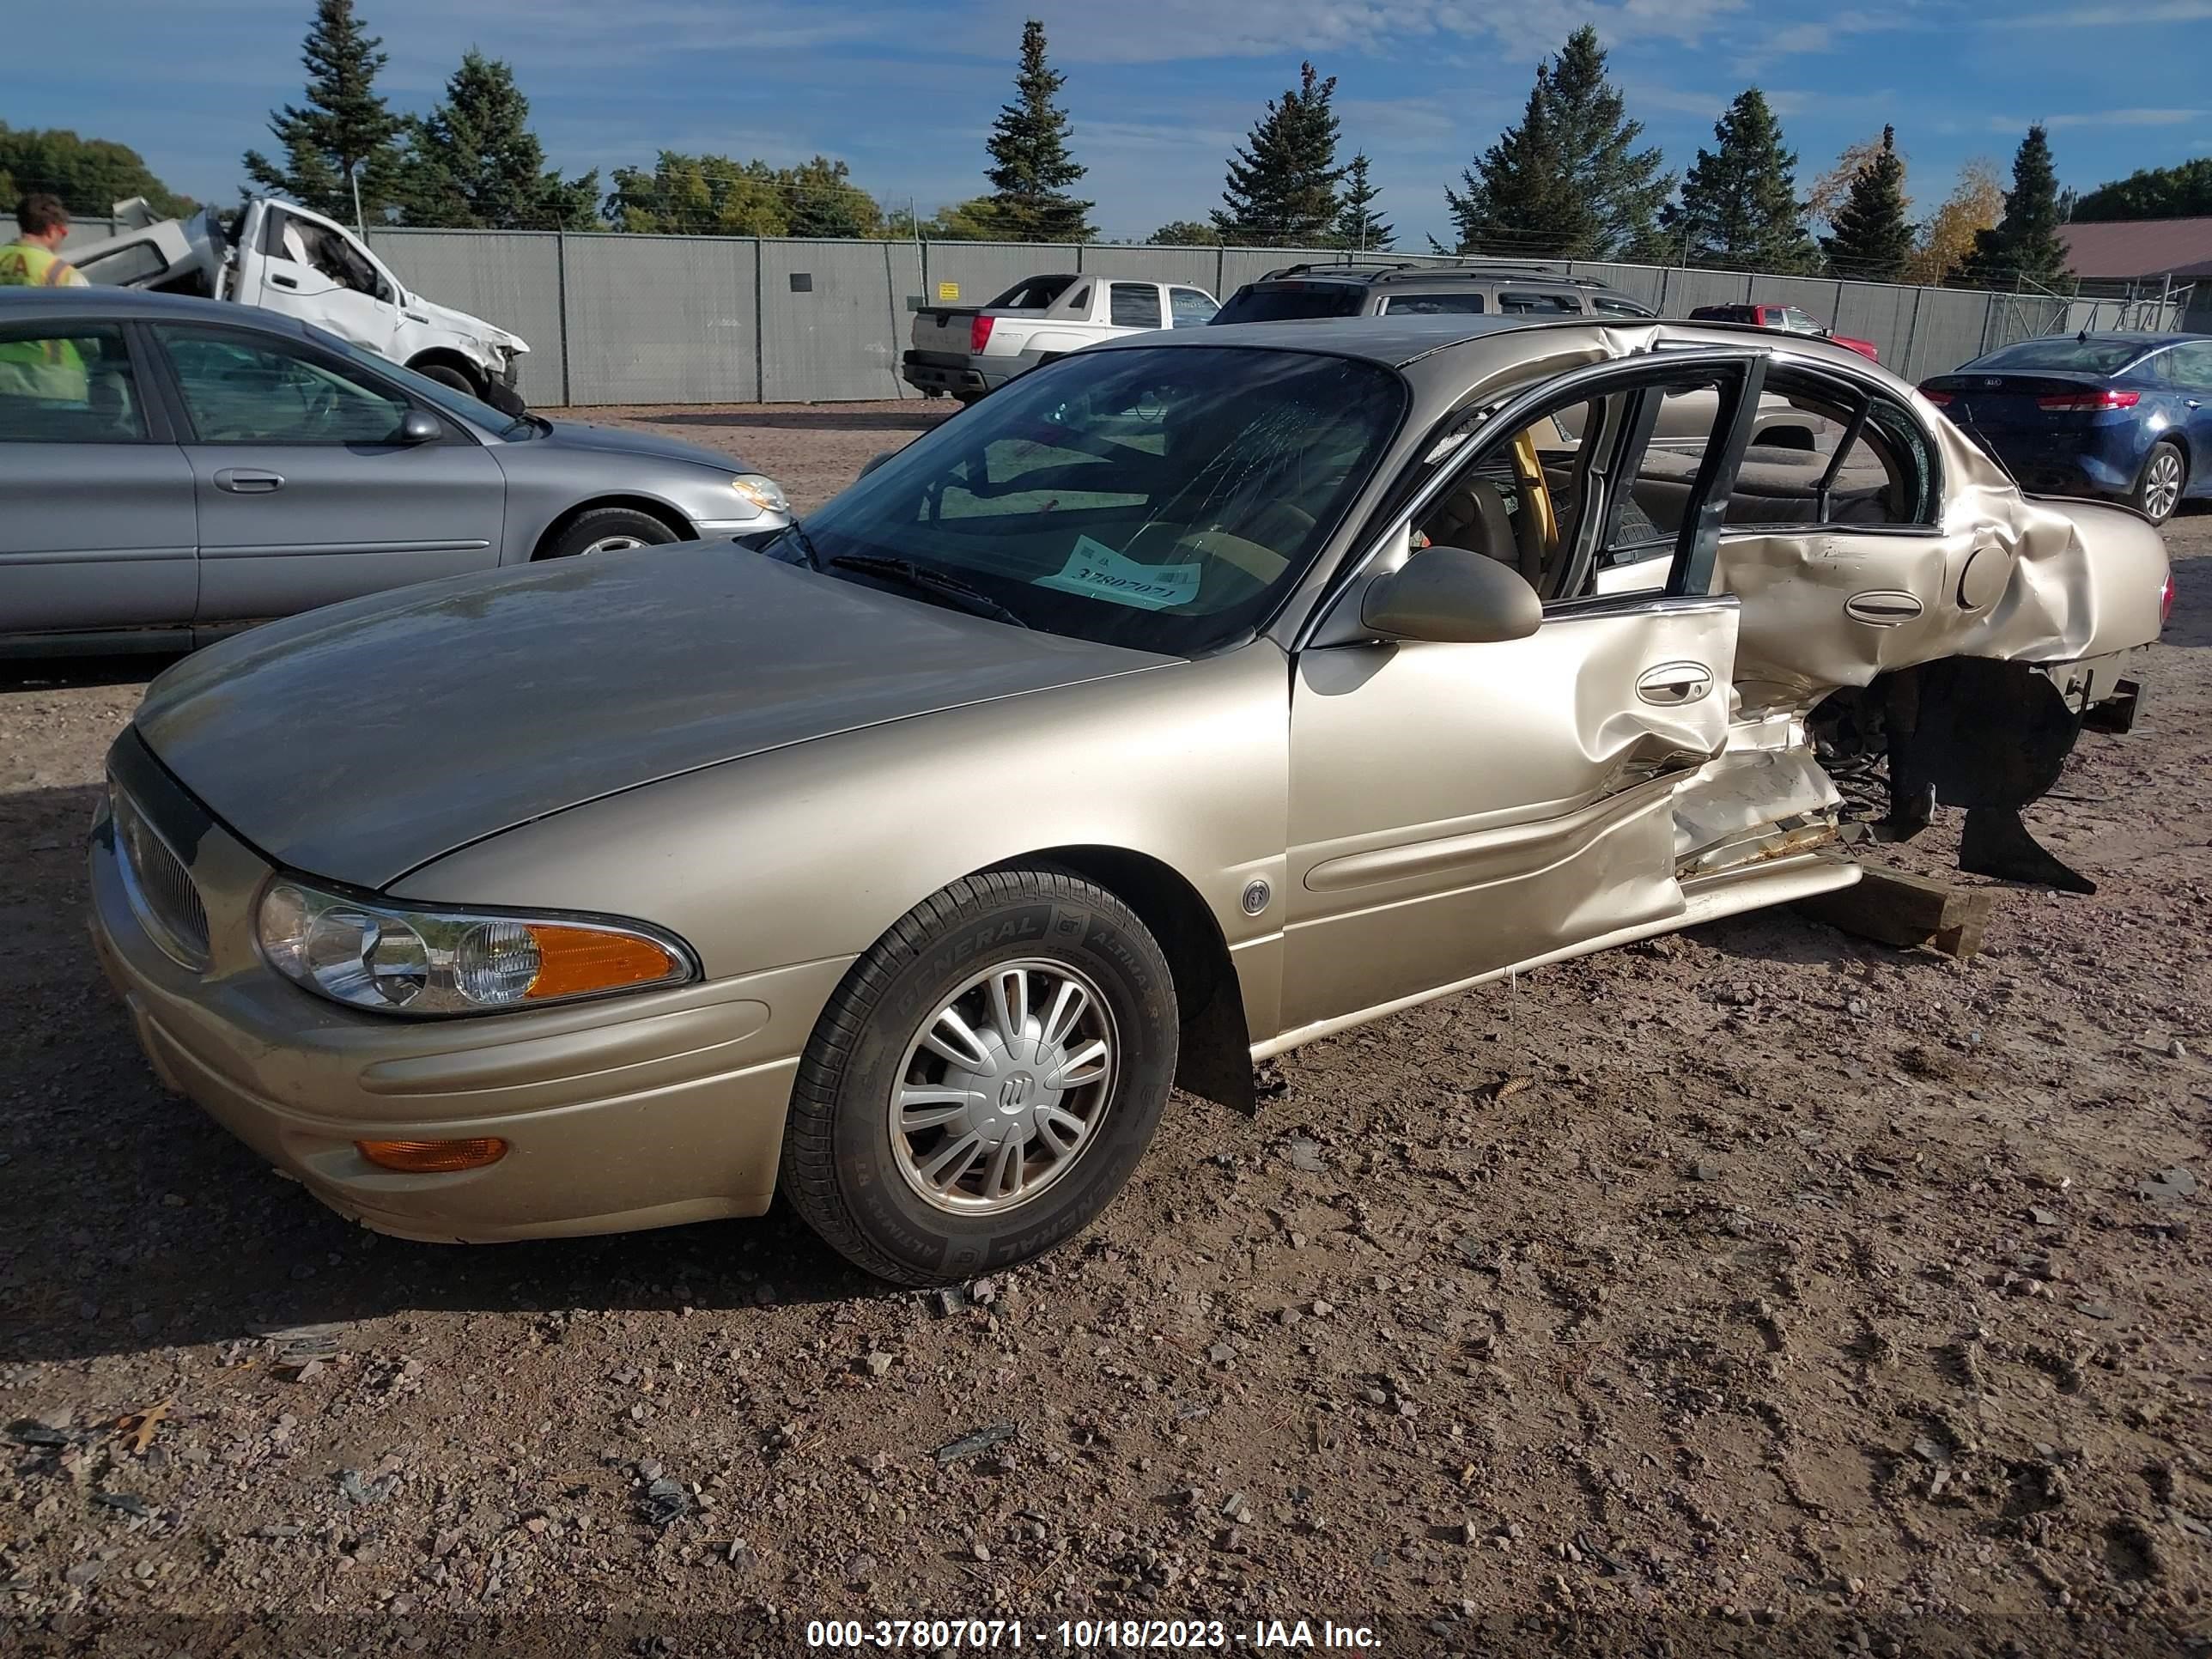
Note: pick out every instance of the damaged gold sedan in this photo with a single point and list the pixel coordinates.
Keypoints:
(1191, 698)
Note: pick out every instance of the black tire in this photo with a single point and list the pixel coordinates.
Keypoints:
(594, 531)
(452, 377)
(840, 1170)
(2150, 500)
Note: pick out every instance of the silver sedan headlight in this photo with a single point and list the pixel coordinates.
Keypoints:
(761, 491)
(399, 960)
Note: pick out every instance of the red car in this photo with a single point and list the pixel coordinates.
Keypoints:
(1788, 319)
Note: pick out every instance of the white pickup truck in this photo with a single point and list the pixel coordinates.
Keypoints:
(285, 258)
(966, 351)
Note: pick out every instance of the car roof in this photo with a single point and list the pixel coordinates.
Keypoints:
(125, 304)
(1414, 276)
(1393, 339)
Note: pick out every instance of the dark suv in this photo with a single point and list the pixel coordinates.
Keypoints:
(1370, 289)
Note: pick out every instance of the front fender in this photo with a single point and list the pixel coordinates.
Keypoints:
(811, 852)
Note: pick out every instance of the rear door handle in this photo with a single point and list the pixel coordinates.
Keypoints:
(244, 481)
(1882, 607)
(282, 282)
(1675, 682)
(2191, 403)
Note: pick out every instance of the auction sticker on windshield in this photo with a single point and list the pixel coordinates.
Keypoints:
(1096, 569)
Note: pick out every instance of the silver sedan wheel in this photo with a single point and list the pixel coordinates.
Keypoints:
(1004, 1087)
(2161, 485)
(615, 543)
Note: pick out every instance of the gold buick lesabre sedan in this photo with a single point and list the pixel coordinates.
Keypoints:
(1193, 697)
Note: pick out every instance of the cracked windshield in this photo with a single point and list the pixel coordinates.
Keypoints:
(1164, 499)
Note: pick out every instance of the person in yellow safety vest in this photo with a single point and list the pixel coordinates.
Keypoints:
(51, 371)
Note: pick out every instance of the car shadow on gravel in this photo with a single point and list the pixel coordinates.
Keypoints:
(49, 673)
(812, 419)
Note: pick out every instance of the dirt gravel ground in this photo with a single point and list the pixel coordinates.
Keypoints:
(1755, 1290)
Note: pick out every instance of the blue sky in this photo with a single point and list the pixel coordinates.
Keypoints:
(1158, 90)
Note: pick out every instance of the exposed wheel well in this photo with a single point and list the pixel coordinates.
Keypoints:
(439, 357)
(651, 509)
(1215, 1054)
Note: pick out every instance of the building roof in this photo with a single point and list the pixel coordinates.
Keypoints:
(2140, 248)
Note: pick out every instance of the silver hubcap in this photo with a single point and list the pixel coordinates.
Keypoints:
(2162, 484)
(1004, 1087)
(614, 544)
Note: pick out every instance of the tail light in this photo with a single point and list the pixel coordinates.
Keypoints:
(1941, 399)
(2166, 601)
(979, 333)
(2078, 402)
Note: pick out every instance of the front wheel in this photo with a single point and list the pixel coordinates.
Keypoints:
(984, 1079)
(2165, 475)
(605, 530)
(448, 377)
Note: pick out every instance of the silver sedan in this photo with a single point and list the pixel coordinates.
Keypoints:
(172, 468)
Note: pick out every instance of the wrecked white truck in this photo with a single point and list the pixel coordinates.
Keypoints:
(284, 258)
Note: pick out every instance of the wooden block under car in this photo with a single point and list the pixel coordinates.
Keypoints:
(1893, 907)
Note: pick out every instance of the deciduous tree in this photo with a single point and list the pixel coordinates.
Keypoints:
(91, 175)
(2183, 191)
(1947, 236)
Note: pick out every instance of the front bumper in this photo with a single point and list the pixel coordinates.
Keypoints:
(634, 1112)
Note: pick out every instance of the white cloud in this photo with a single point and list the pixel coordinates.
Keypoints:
(2131, 17)
(2102, 117)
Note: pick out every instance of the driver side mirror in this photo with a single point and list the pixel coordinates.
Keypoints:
(419, 426)
(1449, 593)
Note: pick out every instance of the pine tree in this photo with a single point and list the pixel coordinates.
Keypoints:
(1873, 236)
(1518, 197)
(1357, 225)
(1031, 169)
(1568, 181)
(474, 162)
(343, 138)
(1282, 181)
(1739, 208)
(2025, 248)
(1596, 142)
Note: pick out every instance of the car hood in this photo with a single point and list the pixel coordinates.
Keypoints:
(620, 441)
(359, 742)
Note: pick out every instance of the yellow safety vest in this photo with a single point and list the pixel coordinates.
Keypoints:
(50, 371)
(26, 264)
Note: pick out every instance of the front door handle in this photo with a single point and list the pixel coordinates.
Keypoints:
(244, 481)
(282, 282)
(2191, 403)
(1675, 682)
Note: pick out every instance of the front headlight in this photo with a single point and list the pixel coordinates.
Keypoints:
(763, 492)
(396, 959)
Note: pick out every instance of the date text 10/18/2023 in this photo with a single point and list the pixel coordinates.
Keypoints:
(1091, 1635)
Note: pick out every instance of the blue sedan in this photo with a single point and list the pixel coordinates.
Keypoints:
(2127, 416)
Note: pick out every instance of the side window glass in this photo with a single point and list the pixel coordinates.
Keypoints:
(1521, 501)
(1543, 304)
(1434, 305)
(1609, 306)
(2193, 365)
(1636, 552)
(1792, 477)
(71, 383)
(1191, 308)
(1079, 302)
(1135, 305)
(238, 390)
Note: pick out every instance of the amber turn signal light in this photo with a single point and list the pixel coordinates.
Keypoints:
(432, 1157)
